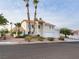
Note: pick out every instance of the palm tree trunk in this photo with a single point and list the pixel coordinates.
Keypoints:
(65, 36)
(4, 34)
(18, 31)
(35, 14)
(11, 29)
(28, 15)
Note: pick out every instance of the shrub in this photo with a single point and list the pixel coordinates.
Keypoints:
(61, 38)
(41, 38)
(23, 36)
(13, 32)
(18, 34)
(6, 31)
(50, 39)
(2, 32)
(28, 38)
(36, 37)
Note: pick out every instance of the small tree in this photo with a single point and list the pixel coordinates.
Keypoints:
(3, 22)
(65, 31)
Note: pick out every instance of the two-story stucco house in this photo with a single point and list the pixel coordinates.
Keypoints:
(42, 28)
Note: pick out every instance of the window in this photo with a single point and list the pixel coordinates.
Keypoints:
(39, 26)
(45, 24)
(49, 26)
(32, 26)
(52, 27)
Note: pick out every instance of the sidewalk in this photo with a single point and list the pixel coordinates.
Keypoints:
(22, 41)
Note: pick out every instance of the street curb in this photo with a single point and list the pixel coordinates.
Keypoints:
(14, 43)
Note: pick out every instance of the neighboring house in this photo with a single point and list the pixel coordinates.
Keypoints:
(15, 30)
(74, 37)
(42, 28)
(76, 32)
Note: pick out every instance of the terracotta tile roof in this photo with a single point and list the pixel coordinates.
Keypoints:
(76, 31)
(31, 21)
(40, 21)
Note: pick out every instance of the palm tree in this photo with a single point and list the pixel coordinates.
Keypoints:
(35, 2)
(28, 15)
(18, 25)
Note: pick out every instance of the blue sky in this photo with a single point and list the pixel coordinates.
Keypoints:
(62, 13)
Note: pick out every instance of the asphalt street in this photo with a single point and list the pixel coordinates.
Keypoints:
(40, 51)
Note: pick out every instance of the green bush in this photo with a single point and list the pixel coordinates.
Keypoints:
(18, 34)
(61, 38)
(23, 36)
(50, 39)
(13, 32)
(6, 31)
(38, 37)
(28, 38)
(2, 32)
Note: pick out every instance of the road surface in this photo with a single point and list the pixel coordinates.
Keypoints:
(40, 51)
